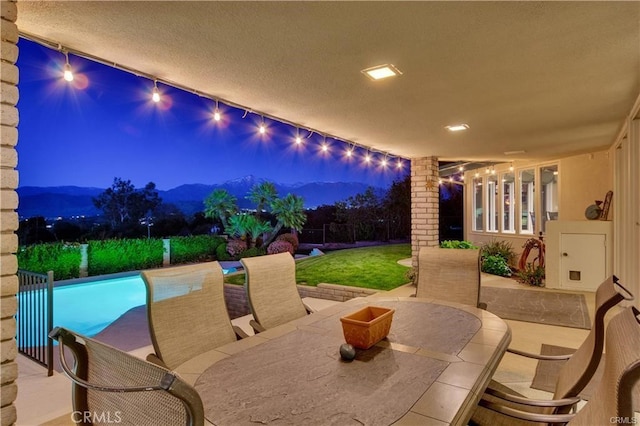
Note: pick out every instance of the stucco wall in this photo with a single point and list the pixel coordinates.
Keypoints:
(583, 180)
(8, 206)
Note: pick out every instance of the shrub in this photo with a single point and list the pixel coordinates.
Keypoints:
(532, 275)
(194, 248)
(63, 259)
(504, 249)
(280, 247)
(235, 247)
(455, 244)
(110, 256)
(253, 252)
(496, 265)
(412, 275)
(290, 238)
(221, 252)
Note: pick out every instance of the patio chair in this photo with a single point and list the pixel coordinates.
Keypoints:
(612, 401)
(187, 312)
(452, 275)
(575, 374)
(270, 283)
(112, 386)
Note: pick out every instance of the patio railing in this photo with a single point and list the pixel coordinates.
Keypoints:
(35, 317)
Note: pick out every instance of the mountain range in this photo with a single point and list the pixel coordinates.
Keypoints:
(68, 201)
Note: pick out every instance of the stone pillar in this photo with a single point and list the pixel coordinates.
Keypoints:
(166, 252)
(8, 206)
(425, 205)
(84, 260)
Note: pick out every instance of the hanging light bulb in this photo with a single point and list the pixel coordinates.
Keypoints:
(155, 97)
(349, 152)
(263, 128)
(511, 167)
(68, 74)
(399, 164)
(383, 162)
(367, 158)
(216, 113)
(325, 147)
(298, 138)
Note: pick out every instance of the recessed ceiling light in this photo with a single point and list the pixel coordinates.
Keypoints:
(457, 127)
(381, 71)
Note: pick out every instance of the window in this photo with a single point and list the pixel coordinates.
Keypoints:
(508, 203)
(549, 194)
(477, 204)
(527, 187)
(492, 203)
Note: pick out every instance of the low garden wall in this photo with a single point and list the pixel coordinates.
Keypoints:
(237, 305)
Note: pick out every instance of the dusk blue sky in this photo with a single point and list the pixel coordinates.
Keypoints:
(104, 125)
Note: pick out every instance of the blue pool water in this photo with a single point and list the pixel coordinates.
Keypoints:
(88, 308)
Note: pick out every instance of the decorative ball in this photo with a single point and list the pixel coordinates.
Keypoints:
(347, 352)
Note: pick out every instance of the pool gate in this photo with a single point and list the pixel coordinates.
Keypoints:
(35, 317)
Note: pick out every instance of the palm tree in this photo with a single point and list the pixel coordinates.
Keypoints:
(248, 226)
(263, 195)
(221, 205)
(289, 211)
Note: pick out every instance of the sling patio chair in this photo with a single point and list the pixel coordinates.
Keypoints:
(452, 275)
(574, 375)
(112, 386)
(270, 283)
(187, 312)
(612, 401)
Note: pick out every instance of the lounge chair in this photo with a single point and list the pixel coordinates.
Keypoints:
(187, 312)
(612, 401)
(575, 373)
(271, 289)
(452, 275)
(111, 386)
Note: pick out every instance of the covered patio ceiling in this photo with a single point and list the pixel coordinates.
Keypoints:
(531, 79)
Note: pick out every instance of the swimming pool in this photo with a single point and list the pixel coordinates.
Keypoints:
(89, 307)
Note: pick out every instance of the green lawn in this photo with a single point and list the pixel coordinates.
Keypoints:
(370, 267)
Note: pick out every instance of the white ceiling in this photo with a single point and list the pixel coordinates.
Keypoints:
(548, 78)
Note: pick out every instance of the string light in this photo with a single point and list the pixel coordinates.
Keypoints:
(68, 74)
(217, 114)
(155, 97)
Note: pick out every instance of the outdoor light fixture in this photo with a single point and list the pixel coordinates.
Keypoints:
(68, 74)
(381, 71)
(457, 127)
(349, 152)
(399, 164)
(298, 138)
(511, 167)
(367, 158)
(156, 94)
(383, 162)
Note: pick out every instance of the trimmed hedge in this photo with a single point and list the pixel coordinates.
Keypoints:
(63, 259)
(111, 256)
(194, 249)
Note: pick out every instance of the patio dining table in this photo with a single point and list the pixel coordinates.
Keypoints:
(432, 368)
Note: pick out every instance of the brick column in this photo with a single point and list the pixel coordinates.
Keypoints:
(425, 205)
(8, 206)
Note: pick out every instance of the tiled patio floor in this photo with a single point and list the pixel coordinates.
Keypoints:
(42, 399)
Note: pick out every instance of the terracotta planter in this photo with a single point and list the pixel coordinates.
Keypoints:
(366, 327)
